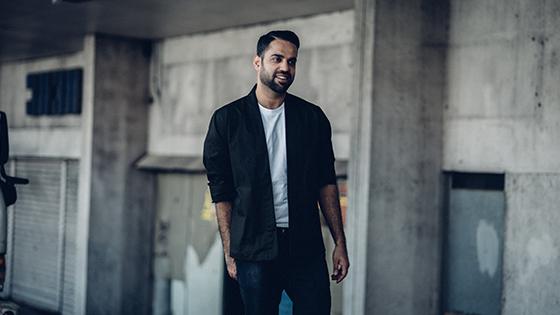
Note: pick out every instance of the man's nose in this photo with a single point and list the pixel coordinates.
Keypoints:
(284, 66)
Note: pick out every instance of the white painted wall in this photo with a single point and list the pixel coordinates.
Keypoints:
(193, 75)
(201, 292)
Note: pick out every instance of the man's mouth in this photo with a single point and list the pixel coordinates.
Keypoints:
(282, 77)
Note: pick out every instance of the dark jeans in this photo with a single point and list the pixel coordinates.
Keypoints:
(306, 283)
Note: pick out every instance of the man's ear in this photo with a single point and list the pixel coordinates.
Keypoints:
(257, 62)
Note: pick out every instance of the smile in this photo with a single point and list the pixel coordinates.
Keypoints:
(282, 77)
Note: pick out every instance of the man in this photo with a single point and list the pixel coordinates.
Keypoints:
(269, 160)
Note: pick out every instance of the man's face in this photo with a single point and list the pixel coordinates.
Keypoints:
(277, 67)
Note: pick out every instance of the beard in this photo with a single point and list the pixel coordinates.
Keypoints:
(267, 79)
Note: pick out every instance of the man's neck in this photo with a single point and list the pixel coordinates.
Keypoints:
(268, 98)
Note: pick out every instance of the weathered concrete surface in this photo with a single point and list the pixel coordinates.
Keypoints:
(502, 115)
(193, 75)
(532, 250)
(122, 209)
(406, 99)
(503, 72)
(187, 245)
(52, 136)
(13, 90)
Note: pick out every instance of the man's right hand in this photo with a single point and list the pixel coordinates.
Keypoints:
(231, 267)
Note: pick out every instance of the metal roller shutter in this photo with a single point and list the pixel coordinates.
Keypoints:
(70, 237)
(44, 233)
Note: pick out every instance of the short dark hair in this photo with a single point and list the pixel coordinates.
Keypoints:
(267, 38)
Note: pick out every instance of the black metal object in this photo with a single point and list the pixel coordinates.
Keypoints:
(8, 191)
(7, 183)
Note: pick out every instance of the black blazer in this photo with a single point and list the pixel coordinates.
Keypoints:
(236, 159)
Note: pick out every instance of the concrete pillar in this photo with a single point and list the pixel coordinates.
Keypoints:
(396, 157)
(119, 258)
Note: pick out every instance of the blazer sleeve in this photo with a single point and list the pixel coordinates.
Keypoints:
(217, 161)
(327, 174)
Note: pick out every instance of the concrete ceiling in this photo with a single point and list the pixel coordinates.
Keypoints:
(33, 28)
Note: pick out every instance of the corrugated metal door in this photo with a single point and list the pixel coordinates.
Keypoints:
(44, 234)
(71, 219)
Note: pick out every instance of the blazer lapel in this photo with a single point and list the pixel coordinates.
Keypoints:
(293, 137)
(255, 128)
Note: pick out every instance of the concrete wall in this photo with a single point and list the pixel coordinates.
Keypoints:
(120, 244)
(53, 136)
(502, 116)
(503, 71)
(194, 75)
(66, 136)
(115, 211)
(532, 253)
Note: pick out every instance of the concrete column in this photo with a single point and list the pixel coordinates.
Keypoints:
(119, 259)
(396, 157)
(359, 179)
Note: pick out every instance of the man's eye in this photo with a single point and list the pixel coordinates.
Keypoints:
(276, 59)
(292, 62)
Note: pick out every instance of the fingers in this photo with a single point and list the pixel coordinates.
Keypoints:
(231, 267)
(340, 263)
(340, 270)
(232, 270)
(343, 272)
(335, 274)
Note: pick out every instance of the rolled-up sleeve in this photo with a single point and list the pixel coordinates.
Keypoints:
(217, 161)
(327, 174)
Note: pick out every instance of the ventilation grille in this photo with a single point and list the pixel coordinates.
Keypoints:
(55, 93)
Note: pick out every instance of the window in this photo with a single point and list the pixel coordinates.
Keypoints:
(55, 92)
(473, 244)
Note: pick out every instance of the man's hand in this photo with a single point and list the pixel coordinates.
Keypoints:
(231, 267)
(223, 214)
(330, 205)
(340, 263)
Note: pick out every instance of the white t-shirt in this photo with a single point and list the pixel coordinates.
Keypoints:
(274, 123)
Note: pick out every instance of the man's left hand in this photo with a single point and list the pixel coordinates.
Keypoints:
(340, 263)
